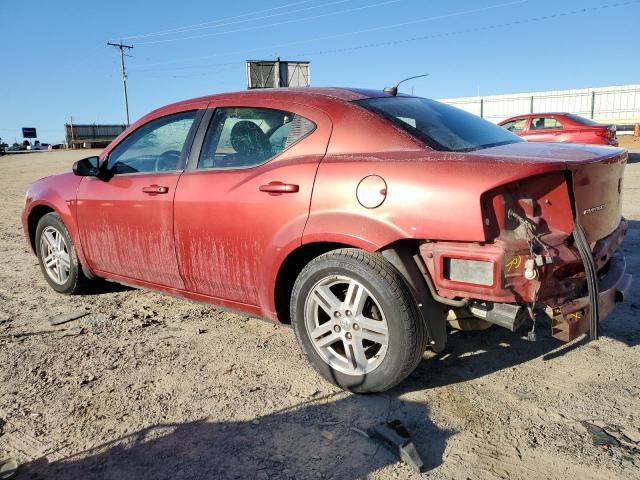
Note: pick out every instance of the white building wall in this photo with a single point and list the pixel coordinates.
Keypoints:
(619, 105)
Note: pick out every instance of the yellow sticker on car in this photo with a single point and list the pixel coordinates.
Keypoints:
(513, 264)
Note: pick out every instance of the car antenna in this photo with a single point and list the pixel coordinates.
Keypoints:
(394, 90)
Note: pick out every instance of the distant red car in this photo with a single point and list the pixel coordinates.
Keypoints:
(362, 218)
(561, 127)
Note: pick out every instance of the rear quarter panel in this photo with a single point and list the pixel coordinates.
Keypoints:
(429, 195)
(583, 135)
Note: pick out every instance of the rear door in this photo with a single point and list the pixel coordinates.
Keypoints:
(126, 218)
(544, 129)
(244, 199)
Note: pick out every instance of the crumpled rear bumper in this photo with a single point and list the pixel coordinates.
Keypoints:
(571, 319)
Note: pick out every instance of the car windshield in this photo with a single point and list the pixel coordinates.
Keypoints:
(440, 126)
(579, 119)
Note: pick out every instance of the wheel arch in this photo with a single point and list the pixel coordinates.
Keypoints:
(289, 270)
(42, 208)
(399, 254)
(36, 213)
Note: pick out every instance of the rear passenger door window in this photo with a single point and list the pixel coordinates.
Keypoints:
(545, 123)
(244, 137)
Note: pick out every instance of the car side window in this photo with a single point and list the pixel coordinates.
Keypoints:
(241, 137)
(544, 123)
(515, 125)
(157, 146)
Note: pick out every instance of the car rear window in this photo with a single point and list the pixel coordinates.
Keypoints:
(579, 119)
(440, 126)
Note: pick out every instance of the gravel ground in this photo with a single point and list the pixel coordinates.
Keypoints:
(148, 386)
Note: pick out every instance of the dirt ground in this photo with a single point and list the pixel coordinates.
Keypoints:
(629, 142)
(148, 386)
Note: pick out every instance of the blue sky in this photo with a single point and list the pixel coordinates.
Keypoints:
(56, 64)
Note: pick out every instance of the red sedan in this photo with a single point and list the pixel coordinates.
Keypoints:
(561, 127)
(364, 219)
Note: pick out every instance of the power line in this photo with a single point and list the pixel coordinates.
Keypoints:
(219, 22)
(345, 34)
(186, 67)
(121, 46)
(286, 22)
(413, 22)
(455, 32)
(470, 30)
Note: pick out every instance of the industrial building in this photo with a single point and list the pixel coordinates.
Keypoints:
(91, 136)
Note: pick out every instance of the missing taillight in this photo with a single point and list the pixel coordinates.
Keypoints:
(544, 199)
(477, 272)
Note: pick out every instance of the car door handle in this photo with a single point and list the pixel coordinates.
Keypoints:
(155, 189)
(279, 187)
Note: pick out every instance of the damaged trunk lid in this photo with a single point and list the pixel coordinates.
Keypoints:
(596, 179)
(597, 191)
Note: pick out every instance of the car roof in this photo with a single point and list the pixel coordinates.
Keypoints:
(539, 114)
(304, 95)
(533, 115)
(322, 98)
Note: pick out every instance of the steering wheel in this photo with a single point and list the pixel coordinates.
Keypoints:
(167, 161)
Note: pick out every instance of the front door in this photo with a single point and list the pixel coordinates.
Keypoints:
(246, 197)
(126, 218)
(516, 126)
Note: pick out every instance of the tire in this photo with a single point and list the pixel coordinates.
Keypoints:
(64, 273)
(376, 336)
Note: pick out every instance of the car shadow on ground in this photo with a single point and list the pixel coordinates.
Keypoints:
(100, 286)
(472, 355)
(476, 354)
(317, 439)
(623, 323)
(633, 158)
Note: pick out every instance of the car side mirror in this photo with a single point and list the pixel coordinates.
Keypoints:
(87, 167)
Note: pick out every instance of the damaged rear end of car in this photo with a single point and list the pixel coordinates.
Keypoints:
(552, 240)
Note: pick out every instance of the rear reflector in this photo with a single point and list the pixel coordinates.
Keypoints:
(478, 272)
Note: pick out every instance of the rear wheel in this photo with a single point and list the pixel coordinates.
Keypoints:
(356, 321)
(57, 256)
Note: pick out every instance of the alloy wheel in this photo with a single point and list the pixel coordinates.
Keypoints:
(346, 325)
(55, 255)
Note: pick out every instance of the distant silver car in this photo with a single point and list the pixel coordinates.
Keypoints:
(40, 146)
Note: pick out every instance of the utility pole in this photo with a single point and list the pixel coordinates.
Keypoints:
(121, 47)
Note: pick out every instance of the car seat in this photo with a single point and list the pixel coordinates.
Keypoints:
(539, 124)
(250, 143)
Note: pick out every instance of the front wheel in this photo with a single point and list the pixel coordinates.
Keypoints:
(57, 256)
(356, 321)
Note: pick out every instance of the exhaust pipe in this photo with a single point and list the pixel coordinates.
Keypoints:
(505, 315)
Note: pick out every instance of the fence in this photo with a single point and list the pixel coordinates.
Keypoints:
(619, 105)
